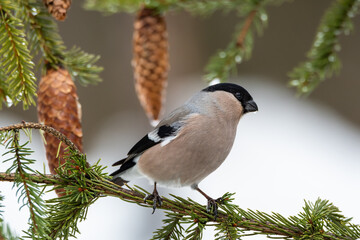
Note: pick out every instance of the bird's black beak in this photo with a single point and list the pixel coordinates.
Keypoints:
(250, 106)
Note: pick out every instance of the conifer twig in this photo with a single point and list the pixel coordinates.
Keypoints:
(36, 178)
(84, 184)
(179, 205)
(245, 29)
(224, 62)
(45, 128)
(23, 180)
(323, 59)
(15, 57)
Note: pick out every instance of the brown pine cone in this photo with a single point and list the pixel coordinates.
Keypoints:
(58, 8)
(58, 107)
(150, 60)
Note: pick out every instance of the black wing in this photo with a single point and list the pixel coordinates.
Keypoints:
(151, 139)
(145, 143)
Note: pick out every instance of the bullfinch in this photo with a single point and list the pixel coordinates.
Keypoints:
(190, 143)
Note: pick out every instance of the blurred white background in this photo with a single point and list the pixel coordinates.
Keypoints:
(292, 149)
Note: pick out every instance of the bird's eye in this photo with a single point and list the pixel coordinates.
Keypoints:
(238, 95)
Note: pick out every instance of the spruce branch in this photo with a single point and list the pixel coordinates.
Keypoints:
(84, 184)
(195, 7)
(50, 130)
(22, 174)
(28, 191)
(44, 36)
(172, 228)
(224, 61)
(26, 31)
(323, 60)
(81, 66)
(187, 211)
(47, 179)
(195, 230)
(227, 230)
(198, 7)
(43, 31)
(15, 57)
(247, 24)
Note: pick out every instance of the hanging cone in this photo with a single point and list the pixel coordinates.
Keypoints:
(58, 8)
(58, 107)
(150, 61)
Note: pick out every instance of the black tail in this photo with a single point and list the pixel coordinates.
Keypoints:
(119, 181)
(125, 163)
(120, 162)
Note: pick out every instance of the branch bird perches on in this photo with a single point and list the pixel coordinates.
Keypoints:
(84, 184)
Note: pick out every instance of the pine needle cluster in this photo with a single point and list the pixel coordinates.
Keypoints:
(323, 60)
(28, 192)
(75, 175)
(27, 31)
(56, 218)
(16, 63)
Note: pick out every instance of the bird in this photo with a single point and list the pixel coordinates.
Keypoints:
(190, 143)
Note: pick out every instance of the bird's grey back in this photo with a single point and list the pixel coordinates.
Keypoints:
(190, 107)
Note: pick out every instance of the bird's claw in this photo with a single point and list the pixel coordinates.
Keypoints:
(155, 197)
(212, 206)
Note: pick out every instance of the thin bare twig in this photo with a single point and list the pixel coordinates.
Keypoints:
(47, 179)
(45, 128)
(249, 19)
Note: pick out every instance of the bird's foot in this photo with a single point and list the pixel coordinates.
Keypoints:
(212, 206)
(155, 197)
(157, 200)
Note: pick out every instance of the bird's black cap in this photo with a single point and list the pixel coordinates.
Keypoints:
(239, 93)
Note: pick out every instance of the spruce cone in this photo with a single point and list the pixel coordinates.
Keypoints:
(58, 8)
(59, 108)
(150, 61)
